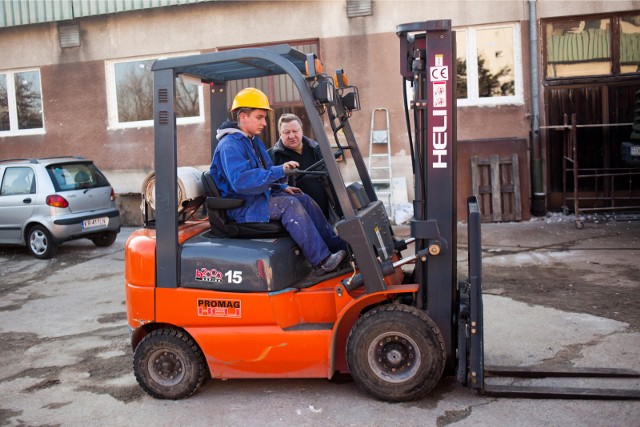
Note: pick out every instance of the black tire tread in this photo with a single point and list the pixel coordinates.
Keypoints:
(106, 239)
(190, 344)
(426, 386)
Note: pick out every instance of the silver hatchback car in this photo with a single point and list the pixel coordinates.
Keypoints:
(45, 202)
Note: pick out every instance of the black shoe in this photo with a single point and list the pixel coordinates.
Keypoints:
(332, 262)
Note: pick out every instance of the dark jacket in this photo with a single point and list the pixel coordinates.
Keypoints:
(315, 186)
(242, 169)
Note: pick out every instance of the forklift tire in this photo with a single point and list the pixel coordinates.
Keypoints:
(168, 364)
(396, 353)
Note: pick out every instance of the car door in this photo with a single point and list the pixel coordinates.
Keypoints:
(17, 201)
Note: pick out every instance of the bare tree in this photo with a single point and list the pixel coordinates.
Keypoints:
(489, 84)
(28, 102)
(187, 99)
(135, 95)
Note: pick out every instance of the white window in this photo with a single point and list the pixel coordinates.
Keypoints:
(489, 65)
(21, 103)
(130, 95)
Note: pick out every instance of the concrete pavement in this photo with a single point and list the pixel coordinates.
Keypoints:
(66, 359)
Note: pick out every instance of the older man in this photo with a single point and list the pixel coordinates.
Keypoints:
(294, 146)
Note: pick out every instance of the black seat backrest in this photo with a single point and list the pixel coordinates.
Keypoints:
(210, 187)
(221, 226)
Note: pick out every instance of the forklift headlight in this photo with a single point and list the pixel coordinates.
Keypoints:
(323, 92)
(351, 101)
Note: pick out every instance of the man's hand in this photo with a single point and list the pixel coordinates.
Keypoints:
(292, 190)
(290, 165)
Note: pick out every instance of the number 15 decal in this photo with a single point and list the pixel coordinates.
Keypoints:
(234, 276)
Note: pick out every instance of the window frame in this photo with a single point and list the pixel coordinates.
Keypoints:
(112, 95)
(473, 98)
(13, 108)
(615, 40)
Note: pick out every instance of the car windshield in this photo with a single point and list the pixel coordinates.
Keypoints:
(75, 176)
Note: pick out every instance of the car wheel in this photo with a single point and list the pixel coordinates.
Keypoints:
(396, 353)
(39, 242)
(105, 239)
(168, 364)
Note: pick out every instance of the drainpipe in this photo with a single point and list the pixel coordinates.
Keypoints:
(538, 195)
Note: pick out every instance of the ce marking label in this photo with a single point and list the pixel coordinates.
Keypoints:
(439, 74)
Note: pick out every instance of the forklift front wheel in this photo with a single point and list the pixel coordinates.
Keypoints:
(168, 364)
(396, 353)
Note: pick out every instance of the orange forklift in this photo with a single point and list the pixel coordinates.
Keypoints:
(211, 298)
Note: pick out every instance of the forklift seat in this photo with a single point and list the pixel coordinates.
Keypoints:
(221, 226)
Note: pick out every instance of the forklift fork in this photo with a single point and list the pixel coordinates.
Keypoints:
(471, 369)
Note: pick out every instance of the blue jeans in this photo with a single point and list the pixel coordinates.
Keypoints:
(304, 221)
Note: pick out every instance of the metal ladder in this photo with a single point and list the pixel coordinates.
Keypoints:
(380, 158)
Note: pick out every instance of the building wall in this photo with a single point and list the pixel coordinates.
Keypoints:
(74, 88)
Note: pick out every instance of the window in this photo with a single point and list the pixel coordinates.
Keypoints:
(577, 48)
(75, 176)
(489, 65)
(585, 46)
(630, 44)
(18, 181)
(21, 103)
(130, 95)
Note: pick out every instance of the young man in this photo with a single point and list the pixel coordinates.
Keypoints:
(294, 146)
(241, 168)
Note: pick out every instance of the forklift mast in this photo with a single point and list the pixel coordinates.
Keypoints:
(427, 63)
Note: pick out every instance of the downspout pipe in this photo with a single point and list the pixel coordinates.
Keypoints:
(538, 195)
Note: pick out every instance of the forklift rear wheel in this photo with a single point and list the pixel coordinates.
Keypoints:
(396, 353)
(168, 364)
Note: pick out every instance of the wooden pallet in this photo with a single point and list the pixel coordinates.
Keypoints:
(496, 184)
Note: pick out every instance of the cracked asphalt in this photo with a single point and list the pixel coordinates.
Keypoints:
(554, 296)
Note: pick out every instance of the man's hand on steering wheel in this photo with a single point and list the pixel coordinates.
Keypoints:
(290, 165)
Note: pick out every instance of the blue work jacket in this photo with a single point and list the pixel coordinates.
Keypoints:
(240, 174)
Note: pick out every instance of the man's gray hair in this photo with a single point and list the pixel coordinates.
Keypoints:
(287, 118)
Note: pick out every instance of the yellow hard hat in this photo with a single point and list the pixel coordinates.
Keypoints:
(251, 98)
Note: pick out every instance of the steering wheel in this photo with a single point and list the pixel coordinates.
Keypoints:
(319, 168)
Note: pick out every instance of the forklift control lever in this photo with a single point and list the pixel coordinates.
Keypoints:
(402, 244)
(388, 268)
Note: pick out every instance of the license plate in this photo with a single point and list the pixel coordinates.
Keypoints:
(635, 150)
(95, 222)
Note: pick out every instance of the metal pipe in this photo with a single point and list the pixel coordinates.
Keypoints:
(536, 161)
(533, 52)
